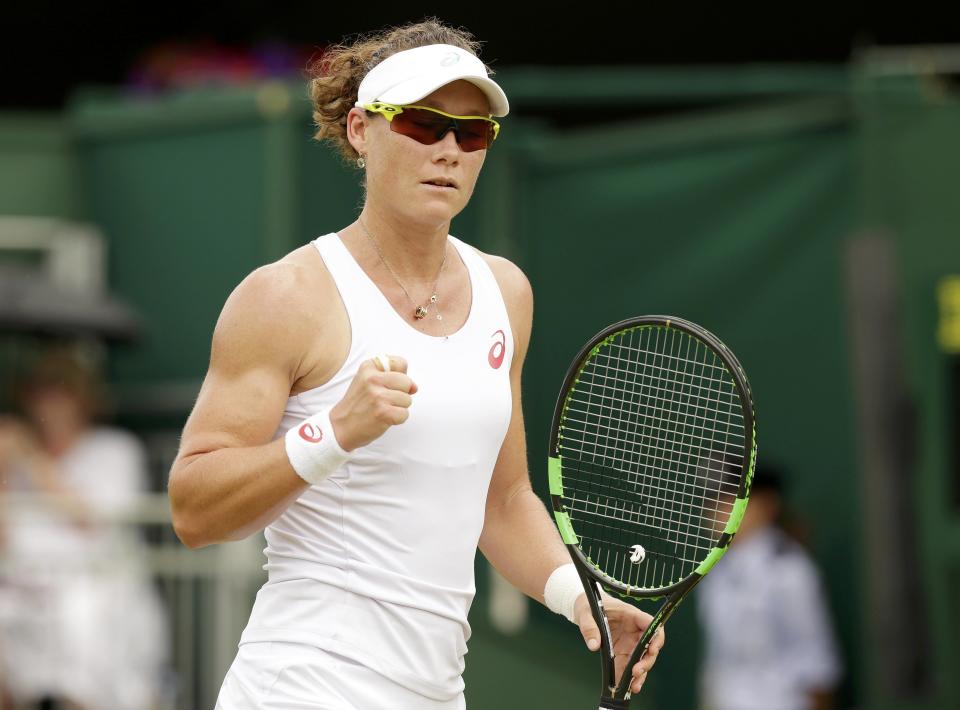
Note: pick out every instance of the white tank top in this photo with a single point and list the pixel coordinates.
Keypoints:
(376, 563)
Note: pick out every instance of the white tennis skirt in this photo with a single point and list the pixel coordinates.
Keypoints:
(291, 676)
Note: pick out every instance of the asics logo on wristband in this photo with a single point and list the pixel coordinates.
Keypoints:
(311, 433)
(497, 350)
(313, 449)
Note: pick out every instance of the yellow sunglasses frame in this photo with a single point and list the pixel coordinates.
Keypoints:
(388, 111)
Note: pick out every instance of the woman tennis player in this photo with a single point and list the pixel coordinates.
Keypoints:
(363, 407)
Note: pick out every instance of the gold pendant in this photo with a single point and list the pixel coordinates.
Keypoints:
(420, 313)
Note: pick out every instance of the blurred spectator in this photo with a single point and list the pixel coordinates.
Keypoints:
(192, 65)
(769, 642)
(80, 622)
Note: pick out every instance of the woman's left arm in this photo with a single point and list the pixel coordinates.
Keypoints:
(519, 537)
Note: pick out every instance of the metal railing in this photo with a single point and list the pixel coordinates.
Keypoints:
(207, 594)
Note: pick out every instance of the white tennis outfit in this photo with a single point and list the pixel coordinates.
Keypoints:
(371, 572)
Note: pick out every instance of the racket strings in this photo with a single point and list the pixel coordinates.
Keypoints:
(652, 450)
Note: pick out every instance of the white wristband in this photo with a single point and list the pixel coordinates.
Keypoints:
(313, 449)
(562, 590)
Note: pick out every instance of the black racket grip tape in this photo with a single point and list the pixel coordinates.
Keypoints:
(611, 704)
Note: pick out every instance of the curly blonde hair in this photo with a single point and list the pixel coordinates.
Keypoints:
(335, 77)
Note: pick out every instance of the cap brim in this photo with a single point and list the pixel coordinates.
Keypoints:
(416, 89)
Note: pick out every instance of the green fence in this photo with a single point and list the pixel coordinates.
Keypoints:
(724, 196)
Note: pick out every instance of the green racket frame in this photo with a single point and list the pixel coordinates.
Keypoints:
(615, 695)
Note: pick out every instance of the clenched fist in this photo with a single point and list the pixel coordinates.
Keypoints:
(374, 402)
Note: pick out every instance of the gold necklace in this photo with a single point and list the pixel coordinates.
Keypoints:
(419, 312)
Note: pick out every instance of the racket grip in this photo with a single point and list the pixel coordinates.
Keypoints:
(611, 704)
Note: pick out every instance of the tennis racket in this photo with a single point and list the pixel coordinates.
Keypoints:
(652, 450)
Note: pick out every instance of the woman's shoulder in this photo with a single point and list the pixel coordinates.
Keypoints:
(285, 316)
(290, 280)
(517, 296)
(280, 298)
(513, 283)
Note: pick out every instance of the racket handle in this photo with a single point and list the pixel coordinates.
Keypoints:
(611, 704)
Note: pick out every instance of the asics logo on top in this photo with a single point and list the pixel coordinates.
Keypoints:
(497, 350)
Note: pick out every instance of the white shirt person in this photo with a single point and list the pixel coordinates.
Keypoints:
(769, 644)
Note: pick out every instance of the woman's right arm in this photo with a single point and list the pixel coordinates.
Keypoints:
(230, 479)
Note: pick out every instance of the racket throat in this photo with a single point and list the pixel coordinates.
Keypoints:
(604, 627)
(594, 592)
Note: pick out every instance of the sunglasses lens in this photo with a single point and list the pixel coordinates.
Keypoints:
(427, 127)
(475, 134)
(423, 126)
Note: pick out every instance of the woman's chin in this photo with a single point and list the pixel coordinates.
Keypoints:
(431, 213)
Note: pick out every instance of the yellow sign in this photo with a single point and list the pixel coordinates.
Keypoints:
(948, 293)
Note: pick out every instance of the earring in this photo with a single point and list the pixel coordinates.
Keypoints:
(361, 162)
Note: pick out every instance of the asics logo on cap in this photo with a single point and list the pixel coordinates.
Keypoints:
(450, 59)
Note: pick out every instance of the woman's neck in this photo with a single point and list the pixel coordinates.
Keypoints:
(412, 250)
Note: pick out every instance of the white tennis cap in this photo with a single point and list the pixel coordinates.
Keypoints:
(408, 76)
